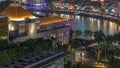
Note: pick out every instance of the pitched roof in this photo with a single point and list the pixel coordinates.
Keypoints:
(16, 12)
(51, 20)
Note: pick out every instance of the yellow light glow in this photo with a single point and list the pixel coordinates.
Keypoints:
(4, 37)
(33, 17)
(51, 20)
(99, 65)
(101, 0)
(17, 19)
(32, 28)
(11, 27)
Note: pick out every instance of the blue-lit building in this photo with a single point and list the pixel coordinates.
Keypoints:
(35, 4)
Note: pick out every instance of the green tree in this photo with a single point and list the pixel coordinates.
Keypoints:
(88, 34)
(77, 33)
(99, 38)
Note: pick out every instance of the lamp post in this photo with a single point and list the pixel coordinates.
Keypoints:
(81, 54)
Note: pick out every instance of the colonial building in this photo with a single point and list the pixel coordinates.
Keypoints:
(23, 25)
(55, 27)
(21, 22)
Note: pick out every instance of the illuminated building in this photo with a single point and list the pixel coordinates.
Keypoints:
(21, 22)
(56, 27)
(23, 25)
(35, 4)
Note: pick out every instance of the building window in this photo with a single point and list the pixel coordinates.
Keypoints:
(11, 27)
(62, 41)
(66, 33)
(53, 35)
(21, 27)
(59, 34)
(62, 34)
(38, 26)
(32, 30)
(45, 37)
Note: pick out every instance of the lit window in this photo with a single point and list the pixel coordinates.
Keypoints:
(59, 34)
(59, 39)
(11, 27)
(66, 33)
(62, 34)
(21, 27)
(31, 30)
(45, 38)
(53, 35)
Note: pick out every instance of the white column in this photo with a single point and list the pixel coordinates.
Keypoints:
(32, 30)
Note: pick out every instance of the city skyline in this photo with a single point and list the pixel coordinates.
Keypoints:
(59, 34)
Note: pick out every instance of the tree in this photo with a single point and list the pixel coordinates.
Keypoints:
(77, 33)
(88, 34)
(99, 38)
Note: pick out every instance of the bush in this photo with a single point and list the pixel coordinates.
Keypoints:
(20, 49)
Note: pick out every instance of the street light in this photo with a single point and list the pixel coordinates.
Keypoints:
(81, 53)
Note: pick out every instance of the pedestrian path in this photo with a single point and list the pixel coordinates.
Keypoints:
(88, 61)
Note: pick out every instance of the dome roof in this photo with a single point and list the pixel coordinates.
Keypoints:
(15, 11)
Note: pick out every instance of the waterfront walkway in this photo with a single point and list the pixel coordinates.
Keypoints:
(90, 14)
(89, 61)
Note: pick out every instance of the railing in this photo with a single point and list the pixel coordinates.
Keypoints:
(16, 34)
(88, 13)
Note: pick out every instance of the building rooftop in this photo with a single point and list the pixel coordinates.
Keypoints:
(37, 58)
(15, 11)
(51, 20)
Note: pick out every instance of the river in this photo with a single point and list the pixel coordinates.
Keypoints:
(82, 23)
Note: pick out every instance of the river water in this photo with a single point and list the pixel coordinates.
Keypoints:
(87, 23)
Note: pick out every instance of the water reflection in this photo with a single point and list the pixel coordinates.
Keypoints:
(88, 23)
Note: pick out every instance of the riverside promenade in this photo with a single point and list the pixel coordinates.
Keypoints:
(87, 14)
